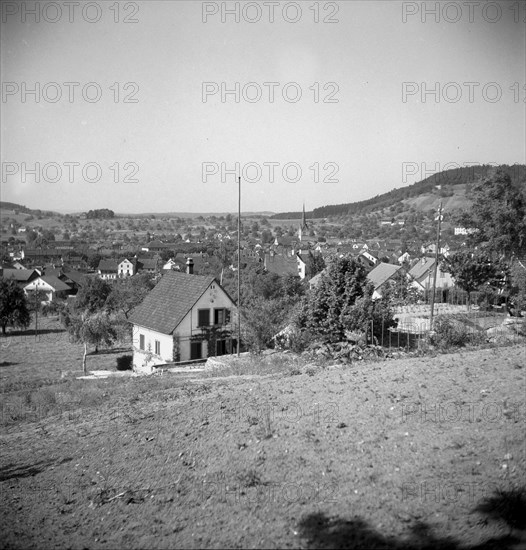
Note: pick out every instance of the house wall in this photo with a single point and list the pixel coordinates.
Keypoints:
(125, 269)
(444, 280)
(211, 299)
(42, 286)
(143, 360)
(302, 269)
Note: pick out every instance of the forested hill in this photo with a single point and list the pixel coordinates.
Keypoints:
(447, 180)
(13, 206)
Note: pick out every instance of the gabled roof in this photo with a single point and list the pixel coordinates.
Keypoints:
(76, 276)
(56, 271)
(421, 267)
(147, 263)
(382, 273)
(108, 265)
(55, 283)
(171, 299)
(21, 275)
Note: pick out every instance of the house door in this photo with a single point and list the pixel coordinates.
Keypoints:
(222, 347)
(196, 350)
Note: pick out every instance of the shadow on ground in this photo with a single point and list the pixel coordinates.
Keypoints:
(16, 471)
(507, 507)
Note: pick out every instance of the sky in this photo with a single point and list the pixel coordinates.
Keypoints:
(337, 101)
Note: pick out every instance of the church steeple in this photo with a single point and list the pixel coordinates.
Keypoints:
(303, 224)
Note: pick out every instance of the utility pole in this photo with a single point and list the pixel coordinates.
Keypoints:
(36, 310)
(238, 265)
(435, 268)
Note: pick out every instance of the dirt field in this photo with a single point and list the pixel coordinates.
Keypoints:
(395, 454)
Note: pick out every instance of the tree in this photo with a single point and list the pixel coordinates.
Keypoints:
(498, 215)
(315, 264)
(13, 306)
(93, 295)
(94, 261)
(31, 237)
(262, 319)
(518, 284)
(472, 271)
(399, 289)
(95, 329)
(128, 293)
(342, 301)
(167, 254)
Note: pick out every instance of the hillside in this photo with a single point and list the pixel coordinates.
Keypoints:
(370, 455)
(450, 187)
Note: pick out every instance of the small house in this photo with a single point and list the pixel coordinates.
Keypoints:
(185, 317)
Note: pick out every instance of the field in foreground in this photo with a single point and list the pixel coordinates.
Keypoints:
(398, 454)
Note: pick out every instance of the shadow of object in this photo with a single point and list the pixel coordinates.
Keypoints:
(326, 533)
(17, 471)
(508, 507)
(112, 351)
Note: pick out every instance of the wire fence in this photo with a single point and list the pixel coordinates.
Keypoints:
(413, 328)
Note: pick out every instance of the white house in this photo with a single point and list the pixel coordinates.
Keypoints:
(381, 276)
(185, 317)
(107, 269)
(50, 285)
(125, 269)
(170, 264)
(302, 267)
(421, 275)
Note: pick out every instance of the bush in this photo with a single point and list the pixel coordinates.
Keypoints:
(52, 308)
(448, 333)
(125, 362)
(294, 339)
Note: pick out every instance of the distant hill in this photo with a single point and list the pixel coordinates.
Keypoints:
(13, 206)
(189, 214)
(448, 187)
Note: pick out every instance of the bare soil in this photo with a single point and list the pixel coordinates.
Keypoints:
(401, 453)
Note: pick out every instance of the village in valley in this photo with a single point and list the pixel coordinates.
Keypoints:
(140, 266)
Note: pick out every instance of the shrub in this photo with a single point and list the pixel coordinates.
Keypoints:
(52, 308)
(293, 338)
(448, 333)
(125, 362)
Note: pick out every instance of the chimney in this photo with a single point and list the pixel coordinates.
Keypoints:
(190, 266)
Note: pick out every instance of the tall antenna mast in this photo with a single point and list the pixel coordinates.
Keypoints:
(239, 265)
(435, 268)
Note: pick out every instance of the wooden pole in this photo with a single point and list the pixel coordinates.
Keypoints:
(239, 265)
(36, 310)
(435, 268)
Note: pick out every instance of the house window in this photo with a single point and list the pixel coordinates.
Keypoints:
(221, 316)
(196, 350)
(157, 347)
(203, 317)
(222, 347)
(141, 341)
